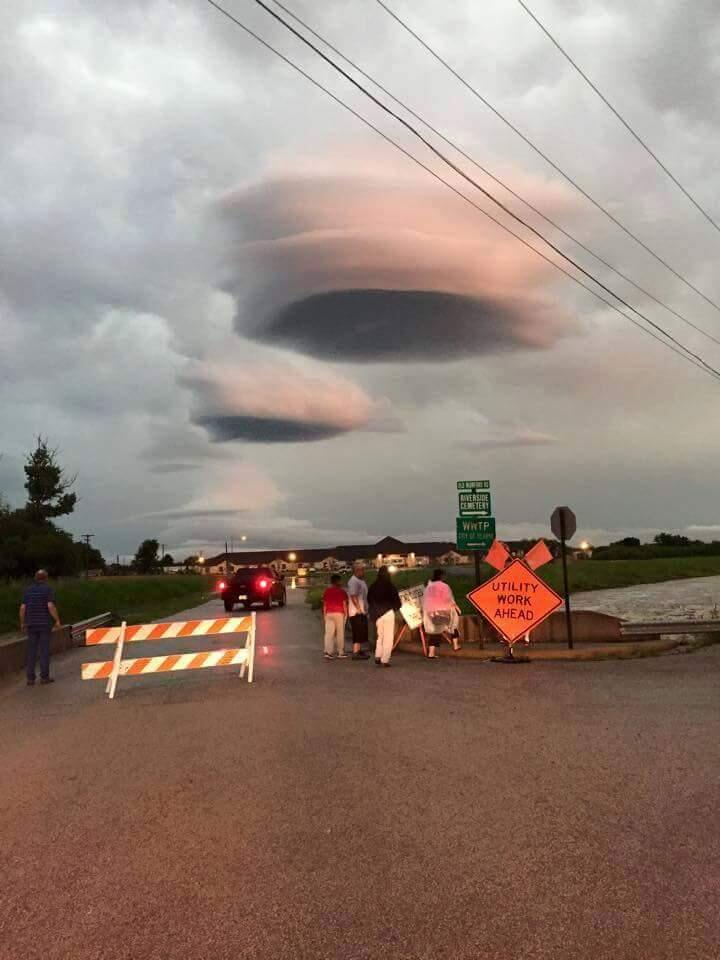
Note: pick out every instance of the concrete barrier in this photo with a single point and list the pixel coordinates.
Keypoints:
(13, 650)
(588, 627)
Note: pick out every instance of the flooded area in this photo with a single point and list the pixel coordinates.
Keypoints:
(694, 599)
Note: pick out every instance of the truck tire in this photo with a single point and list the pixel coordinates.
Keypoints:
(228, 605)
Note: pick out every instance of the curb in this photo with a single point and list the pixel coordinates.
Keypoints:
(614, 651)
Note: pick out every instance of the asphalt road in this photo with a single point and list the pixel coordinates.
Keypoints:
(339, 810)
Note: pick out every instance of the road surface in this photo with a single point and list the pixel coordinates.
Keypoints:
(339, 810)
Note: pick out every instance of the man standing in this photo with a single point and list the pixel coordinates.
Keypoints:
(358, 610)
(37, 614)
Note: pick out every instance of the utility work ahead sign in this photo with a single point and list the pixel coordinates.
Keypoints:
(515, 601)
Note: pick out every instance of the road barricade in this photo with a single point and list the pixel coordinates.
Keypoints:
(111, 670)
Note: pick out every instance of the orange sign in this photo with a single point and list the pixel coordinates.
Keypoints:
(515, 600)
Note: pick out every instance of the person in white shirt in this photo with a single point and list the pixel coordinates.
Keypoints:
(357, 590)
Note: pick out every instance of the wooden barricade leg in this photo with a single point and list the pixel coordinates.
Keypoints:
(250, 648)
(400, 636)
(117, 660)
(423, 639)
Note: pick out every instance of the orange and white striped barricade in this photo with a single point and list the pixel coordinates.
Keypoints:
(111, 670)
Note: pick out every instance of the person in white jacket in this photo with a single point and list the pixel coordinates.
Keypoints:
(441, 615)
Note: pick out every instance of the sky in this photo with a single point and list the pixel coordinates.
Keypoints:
(238, 311)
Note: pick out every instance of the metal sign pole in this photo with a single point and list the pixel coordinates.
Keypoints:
(568, 616)
(477, 568)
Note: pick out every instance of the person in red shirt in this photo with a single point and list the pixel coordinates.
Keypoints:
(335, 611)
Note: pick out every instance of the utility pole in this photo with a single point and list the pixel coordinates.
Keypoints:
(162, 555)
(87, 537)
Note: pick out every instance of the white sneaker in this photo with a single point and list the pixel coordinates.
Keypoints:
(342, 656)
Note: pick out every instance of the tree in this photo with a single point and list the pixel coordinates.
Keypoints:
(47, 485)
(671, 540)
(146, 558)
(191, 561)
(89, 558)
(626, 542)
(167, 560)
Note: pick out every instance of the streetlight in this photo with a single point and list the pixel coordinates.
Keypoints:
(292, 557)
(243, 537)
(584, 545)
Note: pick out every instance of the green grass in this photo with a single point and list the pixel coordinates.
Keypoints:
(583, 575)
(135, 599)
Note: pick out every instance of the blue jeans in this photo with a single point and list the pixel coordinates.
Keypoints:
(38, 640)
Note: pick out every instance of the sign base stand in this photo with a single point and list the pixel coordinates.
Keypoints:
(510, 658)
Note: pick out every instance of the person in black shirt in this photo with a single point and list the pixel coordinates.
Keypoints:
(383, 601)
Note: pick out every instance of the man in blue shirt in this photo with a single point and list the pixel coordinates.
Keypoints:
(38, 613)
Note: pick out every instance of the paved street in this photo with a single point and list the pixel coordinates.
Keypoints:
(336, 810)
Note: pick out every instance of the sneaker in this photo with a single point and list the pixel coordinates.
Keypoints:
(328, 656)
(388, 664)
(47, 679)
(361, 656)
(378, 661)
(342, 656)
(30, 683)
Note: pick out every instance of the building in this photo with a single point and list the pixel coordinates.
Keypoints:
(389, 551)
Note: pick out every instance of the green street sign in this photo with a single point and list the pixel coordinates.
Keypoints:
(474, 503)
(473, 484)
(474, 533)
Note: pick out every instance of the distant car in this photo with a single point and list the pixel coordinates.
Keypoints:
(253, 585)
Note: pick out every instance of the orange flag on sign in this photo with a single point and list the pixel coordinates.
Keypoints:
(498, 555)
(538, 555)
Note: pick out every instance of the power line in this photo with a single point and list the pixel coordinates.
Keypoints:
(617, 114)
(545, 157)
(453, 166)
(495, 178)
(680, 349)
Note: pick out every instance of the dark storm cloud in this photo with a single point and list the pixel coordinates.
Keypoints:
(372, 325)
(359, 269)
(266, 429)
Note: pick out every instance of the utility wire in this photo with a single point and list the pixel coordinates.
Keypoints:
(680, 349)
(544, 156)
(493, 177)
(453, 166)
(617, 114)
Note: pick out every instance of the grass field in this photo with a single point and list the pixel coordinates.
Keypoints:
(583, 575)
(134, 599)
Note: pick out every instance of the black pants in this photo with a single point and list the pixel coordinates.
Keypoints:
(359, 628)
(38, 641)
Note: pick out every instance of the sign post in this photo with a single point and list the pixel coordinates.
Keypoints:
(478, 533)
(563, 523)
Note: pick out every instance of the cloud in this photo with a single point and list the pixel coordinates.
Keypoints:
(361, 270)
(162, 468)
(277, 402)
(518, 438)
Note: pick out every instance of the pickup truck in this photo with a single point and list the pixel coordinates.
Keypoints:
(252, 585)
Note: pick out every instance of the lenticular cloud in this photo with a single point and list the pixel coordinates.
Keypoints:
(363, 270)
